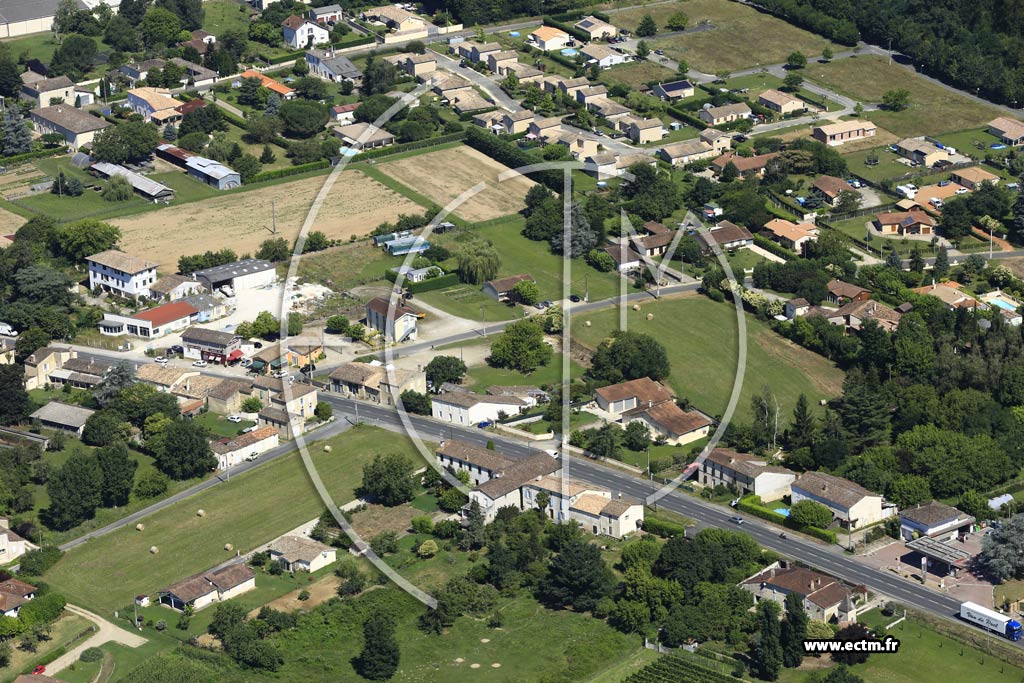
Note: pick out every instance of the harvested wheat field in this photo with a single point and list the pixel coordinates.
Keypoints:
(444, 175)
(241, 220)
(10, 222)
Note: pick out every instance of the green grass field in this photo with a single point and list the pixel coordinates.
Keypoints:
(933, 109)
(742, 37)
(925, 655)
(219, 426)
(635, 74)
(106, 573)
(224, 15)
(700, 337)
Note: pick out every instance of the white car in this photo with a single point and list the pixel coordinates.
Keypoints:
(246, 362)
(251, 457)
(161, 360)
(962, 190)
(280, 374)
(200, 364)
(250, 429)
(234, 418)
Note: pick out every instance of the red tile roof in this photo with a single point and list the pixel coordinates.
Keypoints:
(161, 315)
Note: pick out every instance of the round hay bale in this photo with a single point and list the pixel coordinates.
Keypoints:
(153, 550)
(586, 323)
(474, 665)
(228, 547)
(636, 307)
(200, 513)
(650, 316)
(327, 448)
(140, 527)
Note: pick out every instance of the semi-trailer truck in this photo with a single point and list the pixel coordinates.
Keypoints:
(990, 620)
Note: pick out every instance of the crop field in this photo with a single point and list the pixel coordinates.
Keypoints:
(242, 220)
(933, 108)
(742, 37)
(700, 337)
(444, 175)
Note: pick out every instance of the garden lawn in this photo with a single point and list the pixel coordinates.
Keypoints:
(700, 338)
(64, 629)
(253, 508)
(225, 15)
(481, 377)
(219, 426)
(742, 37)
(348, 266)
(933, 108)
(636, 74)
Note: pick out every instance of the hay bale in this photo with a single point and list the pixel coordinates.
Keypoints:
(586, 323)
(228, 547)
(327, 448)
(636, 307)
(650, 316)
(140, 527)
(153, 550)
(200, 513)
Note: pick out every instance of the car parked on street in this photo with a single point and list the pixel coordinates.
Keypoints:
(200, 364)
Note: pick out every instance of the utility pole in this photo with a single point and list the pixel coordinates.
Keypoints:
(273, 216)
(586, 287)
(483, 323)
(890, 52)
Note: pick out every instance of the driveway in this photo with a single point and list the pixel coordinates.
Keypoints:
(478, 79)
(106, 632)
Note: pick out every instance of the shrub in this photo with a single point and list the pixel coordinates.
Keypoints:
(304, 595)
(422, 524)
(91, 654)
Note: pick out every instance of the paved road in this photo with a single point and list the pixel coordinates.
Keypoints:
(829, 558)
(478, 79)
(106, 632)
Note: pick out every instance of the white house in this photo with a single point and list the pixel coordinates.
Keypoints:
(13, 594)
(745, 473)
(12, 546)
(851, 504)
(153, 323)
(549, 38)
(301, 554)
(249, 446)
(469, 409)
(206, 588)
(154, 104)
(120, 273)
(592, 507)
(616, 399)
(602, 55)
(824, 598)
(299, 33)
(936, 520)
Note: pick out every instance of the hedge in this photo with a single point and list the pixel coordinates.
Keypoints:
(443, 282)
(827, 535)
(662, 528)
(568, 28)
(408, 146)
(512, 156)
(687, 117)
(773, 247)
(748, 506)
(564, 61)
(35, 154)
(290, 171)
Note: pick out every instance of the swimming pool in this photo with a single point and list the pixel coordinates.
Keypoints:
(783, 511)
(569, 52)
(1005, 305)
(349, 151)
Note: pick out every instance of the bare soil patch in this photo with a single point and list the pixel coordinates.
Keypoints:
(444, 175)
(241, 221)
(377, 518)
(319, 592)
(10, 222)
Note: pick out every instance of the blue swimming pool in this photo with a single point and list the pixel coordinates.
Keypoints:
(349, 151)
(569, 52)
(1006, 305)
(514, 34)
(783, 511)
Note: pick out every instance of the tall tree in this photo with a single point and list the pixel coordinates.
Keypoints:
(378, 660)
(388, 479)
(74, 490)
(183, 451)
(629, 355)
(793, 631)
(864, 411)
(15, 404)
(121, 375)
(521, 347)
(766, 653)
(801, 429)
(10, 76)
(16, 137)
(577, 576)
(118, 468)
(443, 369)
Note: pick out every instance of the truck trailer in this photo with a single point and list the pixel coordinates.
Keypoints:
(990, 620)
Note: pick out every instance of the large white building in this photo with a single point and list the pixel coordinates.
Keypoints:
(465, 408)
(120, 273)
(852, 505)
(746, 474)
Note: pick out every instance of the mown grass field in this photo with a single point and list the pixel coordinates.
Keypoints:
(636, 74)
(933, 109)
(924, 655)
(742, 37)
(106, 573)
(700, 337)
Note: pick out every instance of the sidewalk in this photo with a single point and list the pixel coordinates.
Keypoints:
(106, 632)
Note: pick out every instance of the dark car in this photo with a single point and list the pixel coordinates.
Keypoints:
(306, 369)
(575, 298)
(177, 348)
(740, 138)
(485, 424)
(257, 345)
